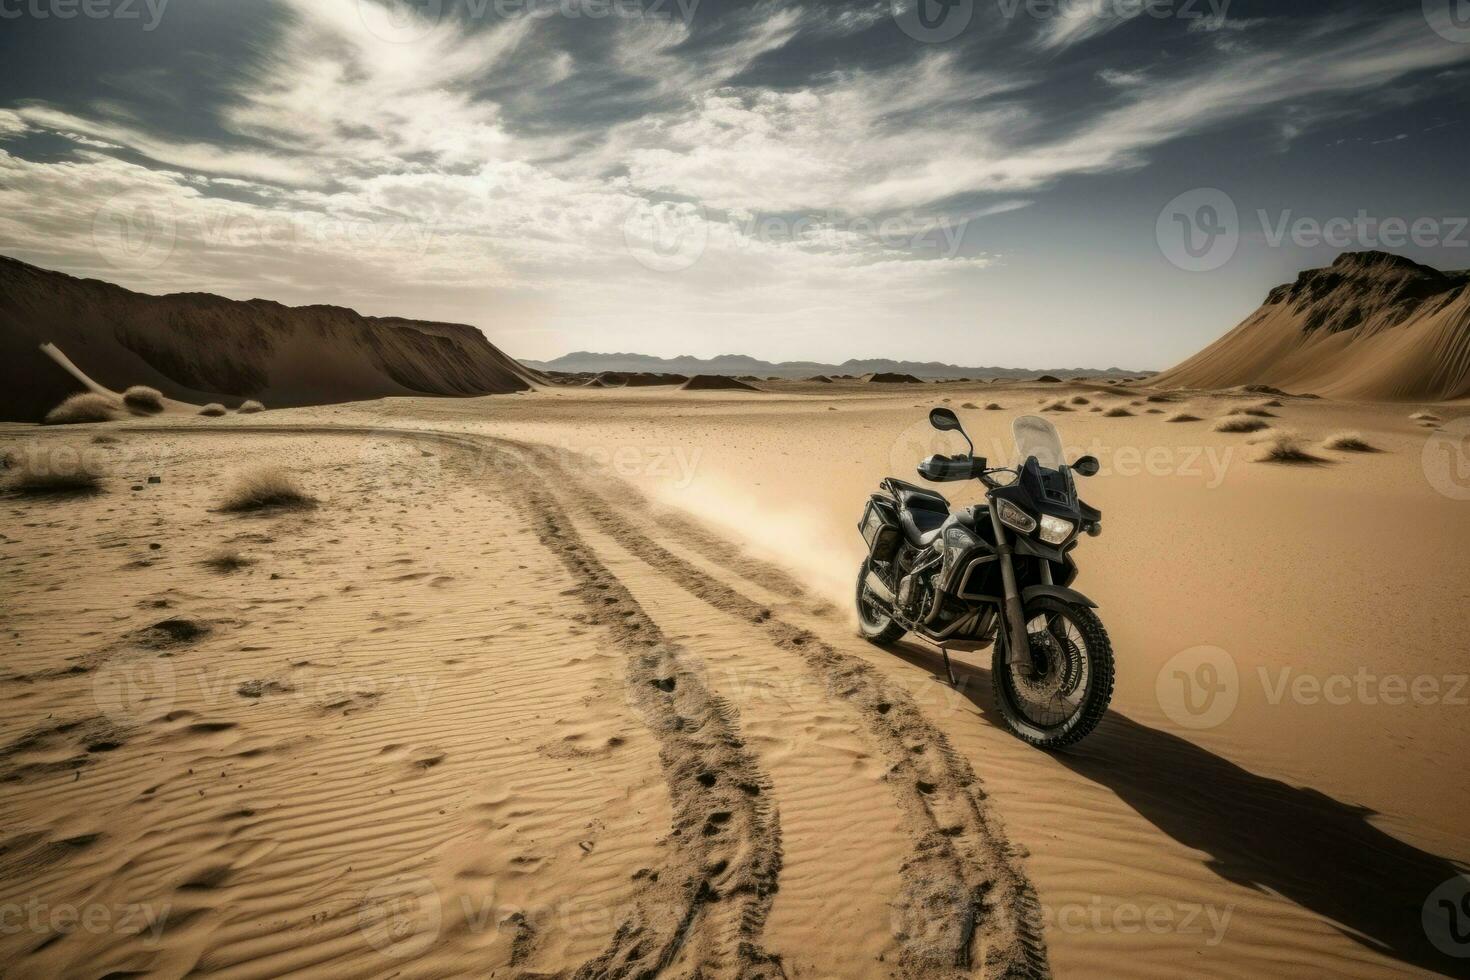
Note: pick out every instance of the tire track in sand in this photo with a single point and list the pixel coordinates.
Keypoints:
(966, 903)
(704, 912)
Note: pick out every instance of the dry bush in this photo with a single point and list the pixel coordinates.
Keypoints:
(105, 440)
(85, 407)
(1057, 407)
(1162, 398)
(1349, 442)
(249, 407)
(1080, 400)
(225, 562)
(994, 407)
(266, 488)
(1269, 403)
(1283, 447)
(52, 474)
(1183, 417)
(1239, 423)
(1425, 417)
(141, 398)
(1259, 413)
(1117, 412)
(213, 410)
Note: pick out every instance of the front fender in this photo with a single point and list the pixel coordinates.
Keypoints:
(1056, 592)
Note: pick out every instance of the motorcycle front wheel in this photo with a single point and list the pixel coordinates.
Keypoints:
(1060, 690)
(874, 625)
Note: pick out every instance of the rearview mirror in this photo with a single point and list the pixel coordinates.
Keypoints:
(1086, 466)
(944, 420)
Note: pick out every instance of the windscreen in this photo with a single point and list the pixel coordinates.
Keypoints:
(1035, 436)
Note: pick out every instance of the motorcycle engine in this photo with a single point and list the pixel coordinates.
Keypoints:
(912, 591)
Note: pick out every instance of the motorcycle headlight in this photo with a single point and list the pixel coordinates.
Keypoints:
(1054, 530)
(1013, 516)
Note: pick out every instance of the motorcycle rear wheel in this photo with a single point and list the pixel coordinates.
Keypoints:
(1057, 696)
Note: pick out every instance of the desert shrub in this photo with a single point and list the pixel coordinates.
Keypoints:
(1161, 398)
(1259, 413)
(213, 410)
(1080, 400)
(87, 406)
(1283, 447)
(105, 440)
(1183, 417)
(54, 473)
(1240, 423)
(994, 407)
(1349, 442)
(1117, 412)
(1057, 407)
(141, 398)
(249, 407)
(265, 488)
(225, 562)
(1270, 403)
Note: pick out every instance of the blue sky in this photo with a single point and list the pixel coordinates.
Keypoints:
(1010, 182)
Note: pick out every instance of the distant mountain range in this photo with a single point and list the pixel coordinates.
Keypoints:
(587, 362)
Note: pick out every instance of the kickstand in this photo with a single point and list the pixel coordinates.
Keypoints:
(947, 668)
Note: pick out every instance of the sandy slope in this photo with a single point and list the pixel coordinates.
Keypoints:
(1373, 325)
(198, 348)
(514, 718)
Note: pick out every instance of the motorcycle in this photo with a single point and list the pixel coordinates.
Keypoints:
(996, 575)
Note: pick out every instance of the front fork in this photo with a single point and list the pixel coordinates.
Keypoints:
(1018, 647)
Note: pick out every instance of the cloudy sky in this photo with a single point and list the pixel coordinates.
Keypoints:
(1008, 182)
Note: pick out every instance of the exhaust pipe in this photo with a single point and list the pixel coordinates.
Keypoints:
(875, 585)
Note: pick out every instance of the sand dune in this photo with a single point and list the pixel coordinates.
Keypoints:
(1371, 326)
(197, 348)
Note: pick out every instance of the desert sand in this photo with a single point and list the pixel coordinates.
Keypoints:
(566, 683)
(1372, 326)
